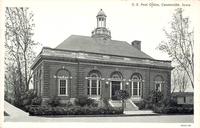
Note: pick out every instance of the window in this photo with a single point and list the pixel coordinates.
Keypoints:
(136, 86)
(62, 87)
(63, 81)
(158, 83)
(93, 85)
(158, 87)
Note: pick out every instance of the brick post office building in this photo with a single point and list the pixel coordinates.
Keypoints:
(97, 66)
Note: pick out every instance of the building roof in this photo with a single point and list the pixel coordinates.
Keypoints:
(94, 45)
(101, 13)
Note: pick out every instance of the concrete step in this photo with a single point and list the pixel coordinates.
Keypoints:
(115, 103)
(129, 105)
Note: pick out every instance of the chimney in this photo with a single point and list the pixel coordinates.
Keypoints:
(136, 44)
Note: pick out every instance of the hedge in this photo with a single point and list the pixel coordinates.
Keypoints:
(75, 110)
(174, 110)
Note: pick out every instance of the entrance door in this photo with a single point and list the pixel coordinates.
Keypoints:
(115, 88)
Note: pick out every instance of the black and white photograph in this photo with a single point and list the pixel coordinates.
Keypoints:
(92, 63)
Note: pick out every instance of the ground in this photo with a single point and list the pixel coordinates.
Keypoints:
(131, 119)
(17, 115)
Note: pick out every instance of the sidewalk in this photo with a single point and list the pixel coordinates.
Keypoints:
(14, 111)
(139, 113)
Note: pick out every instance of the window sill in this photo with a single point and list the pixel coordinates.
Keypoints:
(136, 98)
(95, 97)
(63, 95)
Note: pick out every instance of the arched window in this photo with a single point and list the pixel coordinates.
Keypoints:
(158, 83)
(136, 86)
(94, 84)
(63, 80)
(116, 76)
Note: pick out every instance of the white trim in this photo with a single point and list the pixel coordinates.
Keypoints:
(132, 88)
(159, 82)
(111, 90)
(90, 85)
(93, 78)
(108, 65)
(97, 87)
(138, 89)
(66, 86)
(95, 97)
(110, 102)
(120, 60)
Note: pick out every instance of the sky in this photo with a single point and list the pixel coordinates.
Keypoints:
(56, 20)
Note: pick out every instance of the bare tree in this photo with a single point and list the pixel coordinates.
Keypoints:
(19, 45)
(180, 80)
(179, 45)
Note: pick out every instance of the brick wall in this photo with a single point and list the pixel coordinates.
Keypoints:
(78, 83)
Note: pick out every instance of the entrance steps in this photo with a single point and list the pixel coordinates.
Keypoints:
(129, 105)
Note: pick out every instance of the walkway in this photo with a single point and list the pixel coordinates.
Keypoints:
(13, 111)
(139, 113)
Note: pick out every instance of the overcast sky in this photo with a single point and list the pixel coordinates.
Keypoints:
(57, 20)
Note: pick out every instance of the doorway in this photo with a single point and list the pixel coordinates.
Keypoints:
(116, 86)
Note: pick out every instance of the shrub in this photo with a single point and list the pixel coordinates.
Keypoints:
(169, 106)
(91, 102)
(36, 101)
(174, 110)
(24, 99)
(167, 102)
(55, 101)
(155, 97)
(123, 95)
(141, 105)
(85, 101)
(27, 97)
(76, 110)
(81, 101)
(144, 104)
(106, 103)
(68, 104)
